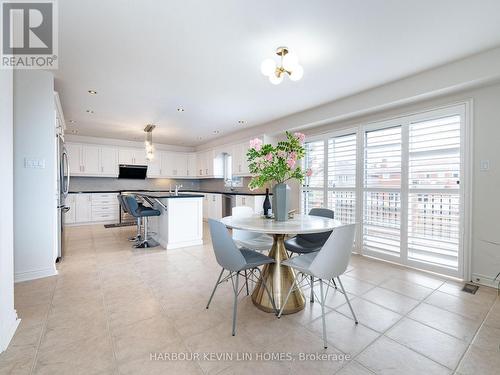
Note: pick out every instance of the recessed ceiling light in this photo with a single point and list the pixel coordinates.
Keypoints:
(92, 92)
(216, 132)
(74, 131)
(72, 121)
(180, 109)
(89, 111)
(242, 122)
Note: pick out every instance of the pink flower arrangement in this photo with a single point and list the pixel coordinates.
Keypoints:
(300, 136)
(309, 172)
(256, 144)
(271, 164)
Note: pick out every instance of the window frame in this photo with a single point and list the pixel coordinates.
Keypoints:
(462, 108)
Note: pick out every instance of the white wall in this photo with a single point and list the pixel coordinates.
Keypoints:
(35, 199)
(8, 316)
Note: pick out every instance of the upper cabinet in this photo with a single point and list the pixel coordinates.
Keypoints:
(210, 164)
(239, 159)
(132, 156)
(92, 160)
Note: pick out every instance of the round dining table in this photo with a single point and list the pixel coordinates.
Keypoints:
(280, 278)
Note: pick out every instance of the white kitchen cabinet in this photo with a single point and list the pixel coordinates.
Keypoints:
(70, 215)
(210, 165)
(108, 160)
(239, 159)
(155, 166)
(74, 155)
(214, 206)
(90, 160)
(132, 156)
(256, 202)
(88, 208)
(205, 206)
(83, 208)
(191, 165)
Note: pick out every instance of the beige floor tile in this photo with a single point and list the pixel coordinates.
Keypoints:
(488, 338)
(477, 361)
(17, 360)
(311, 312)
(421, 278)
(254, 367)
(355, 286)
(475, 310)
(371, 315)
(133, 311)
(354, 368)
(441, 347)
(343, 334)
(144, 365)
(391, 300)
(154, 335)
(388, 357)
(407, 288)
(448, 322)
(89, 356)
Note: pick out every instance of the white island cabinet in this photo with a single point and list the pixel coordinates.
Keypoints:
(180, 223)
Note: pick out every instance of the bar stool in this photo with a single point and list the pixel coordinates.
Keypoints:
(123, 203)
(140, 211)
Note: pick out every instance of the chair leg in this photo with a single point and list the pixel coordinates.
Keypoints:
(294, 285)
(347, 299)
(235, 305)
(246, 282)
(323, 298)
(334, 284)
(312, 289)
(268, 292)
(215, 287)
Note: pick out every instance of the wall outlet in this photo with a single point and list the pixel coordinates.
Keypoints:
(34, 163)
(484, 165)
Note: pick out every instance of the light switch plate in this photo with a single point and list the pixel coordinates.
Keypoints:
(34, 163)
(484, 165)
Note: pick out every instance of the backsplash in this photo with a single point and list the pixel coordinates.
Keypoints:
(106, 183)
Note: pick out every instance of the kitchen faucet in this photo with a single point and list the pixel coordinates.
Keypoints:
(177, 189)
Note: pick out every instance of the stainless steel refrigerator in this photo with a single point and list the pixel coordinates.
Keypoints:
(63, 178)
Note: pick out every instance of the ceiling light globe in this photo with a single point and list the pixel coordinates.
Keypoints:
(297, 73)
(275, 80)
(290, 61)
(268, 67)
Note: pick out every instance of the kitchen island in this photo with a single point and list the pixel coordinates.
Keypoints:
(181, 221)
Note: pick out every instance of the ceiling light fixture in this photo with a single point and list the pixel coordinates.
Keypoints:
(180, 109)
(92, 92)
(89, 111)
(289, 65)
(216, 132)
(150, 150)
(241, 122)
(72, 121)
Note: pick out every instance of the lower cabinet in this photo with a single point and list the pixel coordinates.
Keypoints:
(88, 208)
(212, 206)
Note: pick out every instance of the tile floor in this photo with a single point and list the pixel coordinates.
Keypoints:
(111, 307)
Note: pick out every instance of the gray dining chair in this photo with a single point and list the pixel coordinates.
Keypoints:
(325, 265)
(311, 242)
(236, 261)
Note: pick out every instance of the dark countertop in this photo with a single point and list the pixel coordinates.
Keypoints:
(167, 195)
(166, 192)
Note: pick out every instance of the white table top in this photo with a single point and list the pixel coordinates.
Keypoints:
(300, 224)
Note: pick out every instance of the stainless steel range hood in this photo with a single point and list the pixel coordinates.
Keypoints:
(136, 172)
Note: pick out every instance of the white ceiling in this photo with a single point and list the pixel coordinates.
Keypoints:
(146, 58)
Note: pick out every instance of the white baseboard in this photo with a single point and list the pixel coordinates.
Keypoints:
(484, 280)
(10, 330)
(36, 274)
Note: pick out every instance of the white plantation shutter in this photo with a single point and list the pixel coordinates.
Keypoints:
(434, 191)
(313, 189)
(382, 193)
(342, 177)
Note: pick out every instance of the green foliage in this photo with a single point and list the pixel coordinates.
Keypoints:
(276, 164)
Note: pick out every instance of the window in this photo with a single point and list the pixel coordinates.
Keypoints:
(333, 186)
(382, 191)
(404, 190)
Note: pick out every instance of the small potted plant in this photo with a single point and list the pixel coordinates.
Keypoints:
(276, 165)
